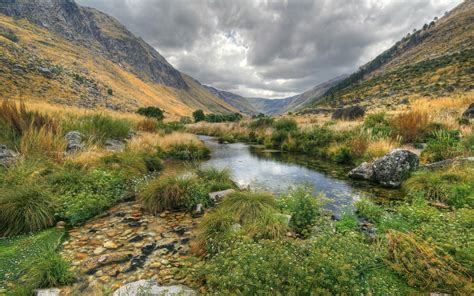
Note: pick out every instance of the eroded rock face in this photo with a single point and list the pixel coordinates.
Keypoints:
(144, 287)
(365, 171)
(391, 169)
(349, 113)
(7, 157)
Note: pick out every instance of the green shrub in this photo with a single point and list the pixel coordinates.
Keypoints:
(303, 207)
(454, 186)
(132, 164)
(110, 92)
(285, 124)
(369, 210)
(216, 179)
(217, 231)
(153, 112)
(198, 115)
(25, 208)
(347, 222)
(248, 206)
(170, 127)
(261, 122)
(442, 145)
(226, 138)
(50, 270)
(378, 125)
(99, 127)
(342, 155)
(223, 117)
(174, 193)
(269, 225)
(189, 151)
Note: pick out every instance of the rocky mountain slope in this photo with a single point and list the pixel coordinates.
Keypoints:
(253, 106)
(64, 53)
(436, 60)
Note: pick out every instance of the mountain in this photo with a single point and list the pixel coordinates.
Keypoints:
(253, 106)
(59, 51)
(436, 60)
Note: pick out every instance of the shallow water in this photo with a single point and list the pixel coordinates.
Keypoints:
(260, 169)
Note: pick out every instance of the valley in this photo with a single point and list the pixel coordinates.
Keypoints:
(121, 175)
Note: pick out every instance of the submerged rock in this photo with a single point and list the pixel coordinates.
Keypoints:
(389, 170)
(365, 171)
(144, 287)
(348, 113)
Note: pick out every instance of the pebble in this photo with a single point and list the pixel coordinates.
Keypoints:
(110, 245)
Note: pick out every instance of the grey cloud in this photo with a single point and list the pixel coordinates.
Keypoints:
(272, 48)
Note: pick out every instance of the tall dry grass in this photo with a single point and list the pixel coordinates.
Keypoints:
(150, 141)
(43, 142)
(411, 126)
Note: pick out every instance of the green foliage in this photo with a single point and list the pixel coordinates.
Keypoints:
(99, 127)
(185, 120)
(303, 207)
(443, 145)
(132, 164)
(454, 186)
(19, 254)
(226, 138)
(153, 112)
(343, 155)
(82, 194)
(223, 117)
(50, 270)
(216, 179)
(369, 210)
(217, 231)
(110, 92)
(189, 151)
(248, 206)
(347, 222)
(378, 125)
(25, 208)
(285, 124)
(424, 266)
(170, 127)
(261, 122)
(9, 34)
(198, 115)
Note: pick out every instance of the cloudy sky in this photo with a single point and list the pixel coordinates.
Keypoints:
(270, 48)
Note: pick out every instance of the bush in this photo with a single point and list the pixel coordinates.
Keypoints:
(132, 164)
(25, 208)
(378, 125)
(223, 117)
(411, 126)
(348, 222)
(174, 193)
(198, 115)
(248, 206)
(443, 145)
(424, 266)
(261, 122)
(454, 186)
(285, 124)
(342, 155)
(153, 112)
(50, 270)
(170, 127)
(216, 179)
(226, 138)
(369, 210)
(189, 151)
(100, 127)
(303, 207)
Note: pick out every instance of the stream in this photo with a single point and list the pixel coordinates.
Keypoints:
(275, 171)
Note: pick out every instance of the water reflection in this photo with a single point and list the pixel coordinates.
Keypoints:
(275, 172)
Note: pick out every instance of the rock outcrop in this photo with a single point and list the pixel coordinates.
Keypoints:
(469, 113)
(389, 170)
(74, 141)
(114, 145)
(7, 156)
(144, 287)
(349, 113)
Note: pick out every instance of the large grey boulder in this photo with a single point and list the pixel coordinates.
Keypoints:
(391, 169)
(114, 145)
(144, 287)
(7, 156)
(365, 171)
(74, 141)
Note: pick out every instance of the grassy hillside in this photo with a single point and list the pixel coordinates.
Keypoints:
(37, 64)
(436, 60)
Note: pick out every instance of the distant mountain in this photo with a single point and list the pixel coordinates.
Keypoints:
(253, 106)
(77, 54)
(436, 60)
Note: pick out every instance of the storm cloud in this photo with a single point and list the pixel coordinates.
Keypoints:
(270, 48)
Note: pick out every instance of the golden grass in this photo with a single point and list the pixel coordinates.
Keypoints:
(88, 158)
(150, 141)
(43, 143)
(380, 147)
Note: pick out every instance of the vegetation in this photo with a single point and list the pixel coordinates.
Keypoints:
(153, 112)
(99, 127)
(198, 115)
(189, 151)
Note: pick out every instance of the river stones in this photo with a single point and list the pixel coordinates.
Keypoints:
(218, 195)
(74, 141)
(7, 157)
(150, 287)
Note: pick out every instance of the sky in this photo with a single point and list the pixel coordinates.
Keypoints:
(270, 49)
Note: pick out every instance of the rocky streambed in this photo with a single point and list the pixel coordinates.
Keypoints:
(125, 245)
